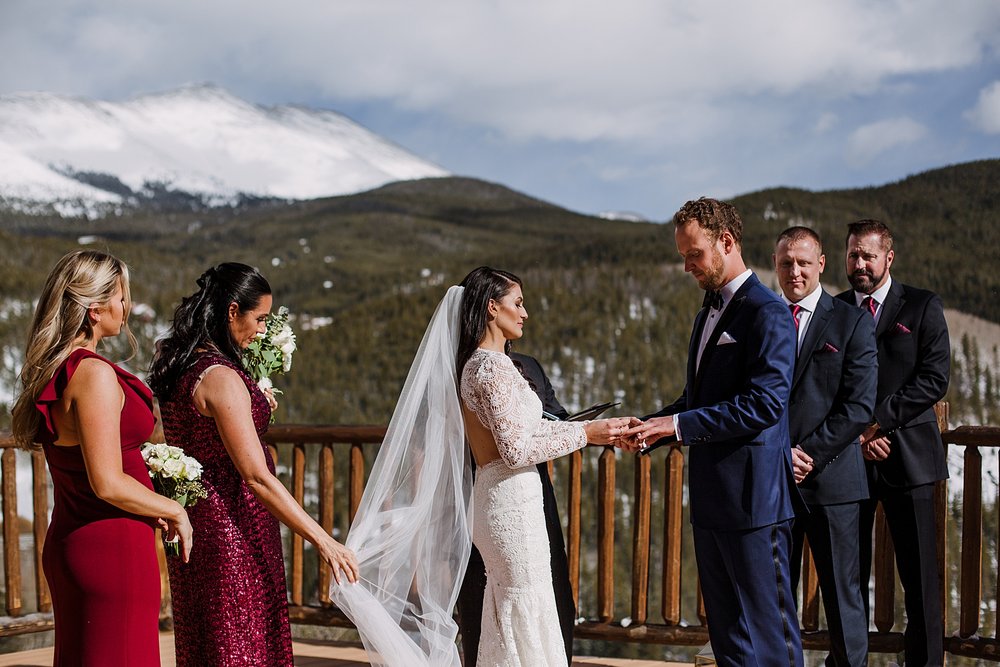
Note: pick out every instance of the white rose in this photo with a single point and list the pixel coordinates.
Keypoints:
(265, 383)
(173, 467)
(284, 337)
(192, 468)
(160, 450)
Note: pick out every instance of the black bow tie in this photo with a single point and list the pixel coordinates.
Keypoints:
(713, 299)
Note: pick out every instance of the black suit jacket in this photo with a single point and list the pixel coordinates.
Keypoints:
(914, 360)
(832, 400)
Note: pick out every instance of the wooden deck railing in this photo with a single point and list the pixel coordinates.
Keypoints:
(311, 456)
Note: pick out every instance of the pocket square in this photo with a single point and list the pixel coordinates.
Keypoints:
(900, 329)
(725, 339)
(827, 347)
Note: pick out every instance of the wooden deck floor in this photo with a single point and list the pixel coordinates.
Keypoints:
(307, 654)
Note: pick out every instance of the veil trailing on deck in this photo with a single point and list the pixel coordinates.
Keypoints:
(412, 532)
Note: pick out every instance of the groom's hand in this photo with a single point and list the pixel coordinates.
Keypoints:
(629, 443)
(651, 430)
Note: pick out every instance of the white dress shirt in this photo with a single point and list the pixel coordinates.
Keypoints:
(808, 304)
(713, 316)
(879, 295)
(711, 319)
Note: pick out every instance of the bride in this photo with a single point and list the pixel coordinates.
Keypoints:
(418, 514)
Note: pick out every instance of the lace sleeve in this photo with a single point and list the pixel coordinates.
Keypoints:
(505, 404)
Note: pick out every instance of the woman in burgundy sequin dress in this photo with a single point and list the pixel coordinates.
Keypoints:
(91, 418)
(230, 602)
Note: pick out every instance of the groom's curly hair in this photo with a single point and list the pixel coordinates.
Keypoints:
(712, 215)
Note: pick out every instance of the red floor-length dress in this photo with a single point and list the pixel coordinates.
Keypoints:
(99, 560)
(230, 601)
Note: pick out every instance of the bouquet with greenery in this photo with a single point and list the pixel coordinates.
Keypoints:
(271, 352)
(176, 476)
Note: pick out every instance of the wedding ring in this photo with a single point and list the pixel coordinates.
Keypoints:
(642, 444)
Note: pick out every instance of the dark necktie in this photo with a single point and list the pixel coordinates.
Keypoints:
(870, 304)
(796, 309)
(713, 299)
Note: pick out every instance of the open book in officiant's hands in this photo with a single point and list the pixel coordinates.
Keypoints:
(592, 412)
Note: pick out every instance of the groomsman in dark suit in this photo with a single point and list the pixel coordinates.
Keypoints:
(903, 445)
(733, 416)
(832, 398)
(470, 596)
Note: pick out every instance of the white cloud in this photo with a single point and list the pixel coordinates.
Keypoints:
(592, 104)
(826, 122)
(985, 116)
(558, 70)
(869, 141)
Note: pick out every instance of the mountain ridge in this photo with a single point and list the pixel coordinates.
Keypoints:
(198, 140)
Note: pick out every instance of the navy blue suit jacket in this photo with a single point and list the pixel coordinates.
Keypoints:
(733, 414)
(833, 397)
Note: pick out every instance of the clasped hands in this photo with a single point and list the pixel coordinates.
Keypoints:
(875, 444)
(629, 433)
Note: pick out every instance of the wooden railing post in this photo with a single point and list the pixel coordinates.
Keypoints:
(11, 533)
(810, 590)
(326, 508)
(574, 496)
(641, 517)
(673, 495)
(972, 543)
(40, 525)
(298, 492)
(885, 574)
(356, 481)
(606, 535)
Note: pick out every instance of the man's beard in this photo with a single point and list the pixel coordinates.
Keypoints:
(865, 281)
(715, 278)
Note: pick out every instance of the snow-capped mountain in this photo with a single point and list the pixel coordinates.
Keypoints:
(70, 152)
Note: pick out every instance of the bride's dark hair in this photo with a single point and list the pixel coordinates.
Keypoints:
(481, 285)
(201, 321)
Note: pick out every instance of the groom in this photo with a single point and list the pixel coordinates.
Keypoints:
(732, 414)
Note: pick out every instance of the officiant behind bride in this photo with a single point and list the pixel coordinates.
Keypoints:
(419, 515)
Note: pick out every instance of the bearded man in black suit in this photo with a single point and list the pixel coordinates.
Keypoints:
(470, 596)
(831, 404)
(903, 444)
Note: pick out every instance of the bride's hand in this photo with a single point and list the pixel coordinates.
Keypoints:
(607, 431)
(630, 443)
(339, 557)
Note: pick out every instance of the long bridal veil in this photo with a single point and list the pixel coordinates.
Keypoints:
(412, 530)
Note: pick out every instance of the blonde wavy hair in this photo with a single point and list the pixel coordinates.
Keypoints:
(81, 280)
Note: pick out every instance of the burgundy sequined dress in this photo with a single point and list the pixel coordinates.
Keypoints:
(99, 560)
(230, 600)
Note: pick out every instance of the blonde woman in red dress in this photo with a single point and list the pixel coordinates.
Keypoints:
(91, 418)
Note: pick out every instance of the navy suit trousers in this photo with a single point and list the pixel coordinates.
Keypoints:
(748, 595)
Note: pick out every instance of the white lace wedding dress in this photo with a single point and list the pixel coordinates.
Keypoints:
(520, 624)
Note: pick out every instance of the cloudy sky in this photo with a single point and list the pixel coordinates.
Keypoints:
(626, 105)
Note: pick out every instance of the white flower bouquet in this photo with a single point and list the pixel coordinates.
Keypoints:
(271, 352)
(175, 476)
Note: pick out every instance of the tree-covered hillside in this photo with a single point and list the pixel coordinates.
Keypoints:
(946, 225)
